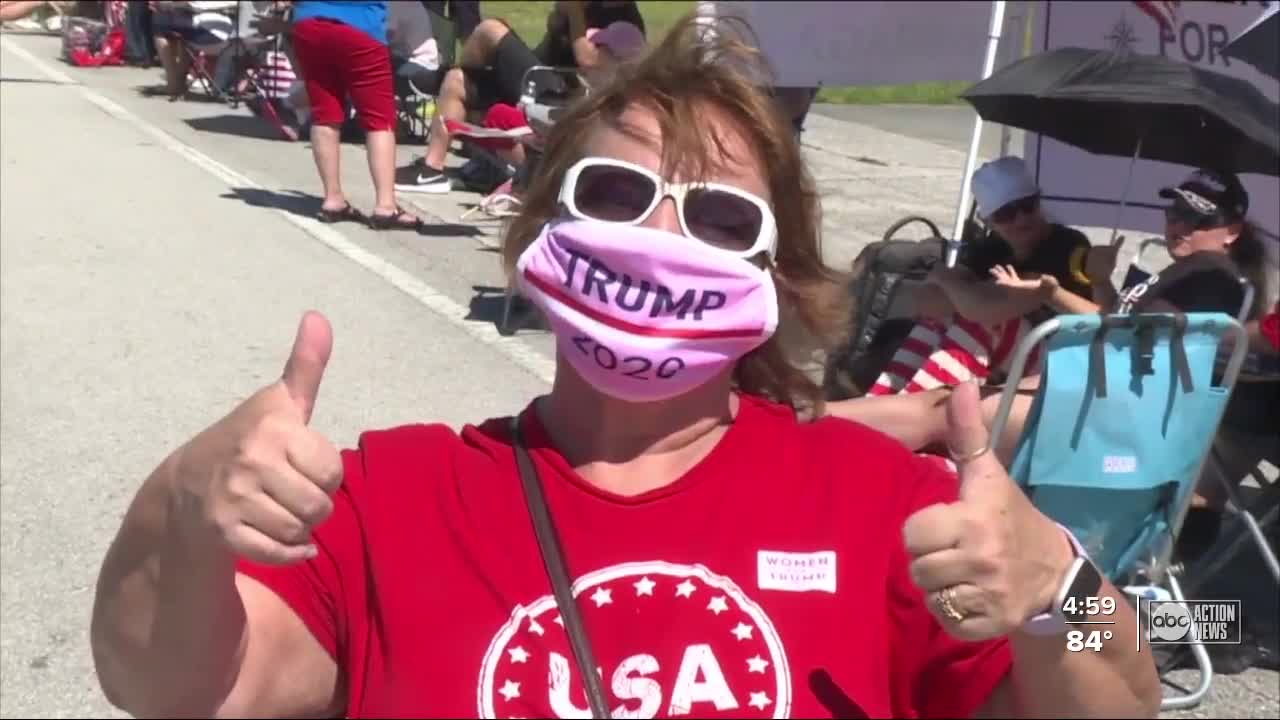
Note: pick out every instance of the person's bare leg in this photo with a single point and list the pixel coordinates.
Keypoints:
(182, 61)
(513, 155)
(1007, 443)
(451, 102)
(18, 10)
(917, 420)
(451, 105)
(478, 50)
(381, 148)
(167, 49)
(326, 150)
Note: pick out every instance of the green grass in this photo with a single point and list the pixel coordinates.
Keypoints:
(529, 18)
(924, 93)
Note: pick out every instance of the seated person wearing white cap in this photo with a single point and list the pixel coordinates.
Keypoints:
(1021, 238)
(1022, 242)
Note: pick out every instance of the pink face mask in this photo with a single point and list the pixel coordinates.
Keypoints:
(645, 314)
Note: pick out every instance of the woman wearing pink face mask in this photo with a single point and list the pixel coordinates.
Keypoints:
(666, 516)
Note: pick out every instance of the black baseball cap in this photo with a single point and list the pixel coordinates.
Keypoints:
(1212, 195)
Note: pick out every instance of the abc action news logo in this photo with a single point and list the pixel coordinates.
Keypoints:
(1180, 622)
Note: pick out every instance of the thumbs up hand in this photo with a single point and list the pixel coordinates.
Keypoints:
(260, 479)
(990, 561)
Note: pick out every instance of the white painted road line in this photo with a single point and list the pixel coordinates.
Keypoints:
(517, 351)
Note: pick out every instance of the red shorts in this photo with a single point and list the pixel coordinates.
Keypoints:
(339, 62)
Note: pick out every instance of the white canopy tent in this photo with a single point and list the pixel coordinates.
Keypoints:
(811, 44)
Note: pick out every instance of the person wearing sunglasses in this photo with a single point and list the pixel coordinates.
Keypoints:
(1212, 246)
(1008, 201)
(669, 516)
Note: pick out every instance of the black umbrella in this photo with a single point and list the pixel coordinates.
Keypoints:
(1116, 102)
(1259, 44)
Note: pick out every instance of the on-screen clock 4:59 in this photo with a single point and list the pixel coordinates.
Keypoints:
(1074, 607)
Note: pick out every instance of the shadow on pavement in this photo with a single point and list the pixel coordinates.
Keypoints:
(448, 229)
(246, 126)
(307, 205)
(299, 203)
(34, 81)
(161, 92)
(487, 305)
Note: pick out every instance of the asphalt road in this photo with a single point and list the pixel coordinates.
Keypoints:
(156, 259)
(947, 125)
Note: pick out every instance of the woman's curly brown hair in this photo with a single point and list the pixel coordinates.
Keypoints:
(701, 71)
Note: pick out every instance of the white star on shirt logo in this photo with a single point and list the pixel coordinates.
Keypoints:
(685, 589)
(759, 700)
(518, 654)
(511, 690)
(644, 586)
(534, 627)
(718, 605)
(742, 631)
(602, 597)
(559, 621)
(757, 664)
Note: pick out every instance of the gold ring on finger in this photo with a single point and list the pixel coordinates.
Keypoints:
(967, 456)
(947, 604)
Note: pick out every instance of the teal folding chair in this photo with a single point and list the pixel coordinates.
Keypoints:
(1118, 433)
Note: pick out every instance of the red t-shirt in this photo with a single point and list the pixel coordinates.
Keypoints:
(769, 581)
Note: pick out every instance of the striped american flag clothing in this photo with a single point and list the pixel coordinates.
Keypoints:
(937, 354)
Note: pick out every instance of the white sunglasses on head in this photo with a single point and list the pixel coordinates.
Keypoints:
(723, 216)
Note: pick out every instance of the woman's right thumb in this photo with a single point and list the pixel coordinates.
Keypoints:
(305, 367)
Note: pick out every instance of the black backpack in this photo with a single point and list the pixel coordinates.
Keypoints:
(877, 274)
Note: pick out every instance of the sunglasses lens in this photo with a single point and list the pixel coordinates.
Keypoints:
(613, 194)
(722, 219)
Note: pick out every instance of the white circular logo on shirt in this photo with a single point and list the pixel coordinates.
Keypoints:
(670, 640)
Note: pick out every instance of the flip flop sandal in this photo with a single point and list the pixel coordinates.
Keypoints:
(346, 214)
(379, 221)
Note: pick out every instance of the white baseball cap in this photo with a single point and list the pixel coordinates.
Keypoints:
(1000, 182)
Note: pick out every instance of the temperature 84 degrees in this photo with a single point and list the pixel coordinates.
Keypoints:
(1081, 640)
(1084, 638)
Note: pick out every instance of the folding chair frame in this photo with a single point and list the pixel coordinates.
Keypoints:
(199, 58)
(1253, 528)
(1234, 505)
(409, 120)
(1158, 567)
(540, 118)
